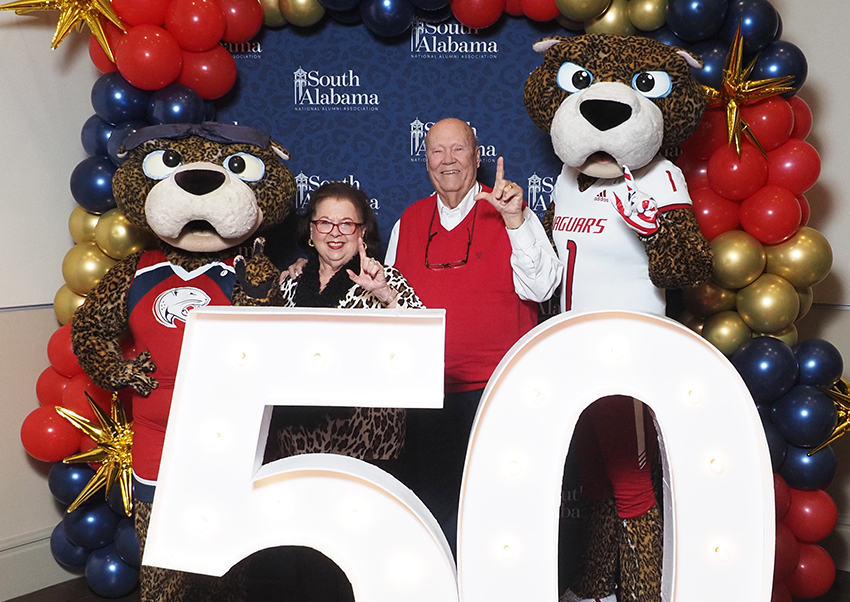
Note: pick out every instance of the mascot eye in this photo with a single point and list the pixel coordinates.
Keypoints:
(573, 78)
(160, 164)
(244, 166)
(653, 84)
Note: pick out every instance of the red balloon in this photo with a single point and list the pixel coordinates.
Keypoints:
(771, 121)
(513, 8)
(211, 74)
(709, 136)
(49, 387)
(98, 54)
(735, 177)
(47, 436)
(149, 57)
(795, 165)
(540, 10)
(771, 215)
(74, 397)
(815, 572)
(805, 209)
(141, 12)
(715, 215)
(695, 170)
(783, 496)
(197, 25)
(787, 553)
(780, 593)
(60, 352)
(477, 14)
(802, 118)
(812, 514)
(244, 18)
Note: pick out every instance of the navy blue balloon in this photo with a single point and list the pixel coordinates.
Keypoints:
(713, 55)
(91, 525)
(666, 36)
(430, 5)
(66, 552)
(347, 17)
(802, 471)
(775, 444)
(759, 22)
(340, 5)
(805, 415)
(387, 18)
(91, 184)
(108, 576)
(782, 58)
(66, 481)
(768, 367)
(122, 130)
(820, 362)
(176, 104)
(115, 100)
(126, 544)
(441, 15)
(95, 135)
(695, 20)
(209, 110)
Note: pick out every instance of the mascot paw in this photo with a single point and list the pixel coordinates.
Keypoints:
(639, 210)
(137, 374)
(257, 276)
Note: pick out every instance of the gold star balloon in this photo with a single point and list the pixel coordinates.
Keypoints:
(114, 438)
(737, 90)
(73, 13)
(840, 395)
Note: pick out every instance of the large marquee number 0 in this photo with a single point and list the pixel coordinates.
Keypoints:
(217, 505)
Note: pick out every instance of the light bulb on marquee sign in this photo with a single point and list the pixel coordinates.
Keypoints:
(379, 533)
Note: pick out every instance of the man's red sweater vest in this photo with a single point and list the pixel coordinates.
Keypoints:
(484, 315)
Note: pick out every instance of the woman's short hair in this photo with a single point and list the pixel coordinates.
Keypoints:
(342, 190)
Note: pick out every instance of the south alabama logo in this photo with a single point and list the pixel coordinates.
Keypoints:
(316, 91)
(448, 41)
(176, 303)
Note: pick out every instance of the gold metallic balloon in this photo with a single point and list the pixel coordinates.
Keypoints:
(302, 13)
(83, 267)
(803, 260)
(81, 224)
(738, 259)
(806, 297)
(648, 15)
(788, 336)
(65, 303)
(769, 304)
(569, 23)
(691, 321)
(582, 10)
(272, 17)
(117, 237)
(726, 331)
(614, 21)
(708, 299)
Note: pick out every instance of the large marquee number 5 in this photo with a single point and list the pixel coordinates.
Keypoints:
(216, 505)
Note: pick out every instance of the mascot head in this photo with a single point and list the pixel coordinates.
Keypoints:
(203, 188)
(609, 101)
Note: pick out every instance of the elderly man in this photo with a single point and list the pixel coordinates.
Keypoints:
(483, 255)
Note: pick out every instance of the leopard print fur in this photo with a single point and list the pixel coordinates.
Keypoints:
(641, 552)
(597, 571)
(679, 255)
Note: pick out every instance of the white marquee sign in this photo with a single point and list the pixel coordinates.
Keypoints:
(216, 505)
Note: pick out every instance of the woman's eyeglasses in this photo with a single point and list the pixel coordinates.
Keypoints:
(346, 228)
(431, 235)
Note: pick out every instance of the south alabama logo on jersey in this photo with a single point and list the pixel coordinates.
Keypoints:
(176, 303)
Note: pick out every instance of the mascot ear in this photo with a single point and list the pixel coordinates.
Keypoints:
(690, 59)
(279, 151)
(545, 44)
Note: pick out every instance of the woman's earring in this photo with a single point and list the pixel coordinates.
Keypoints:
(365, 246)
(310, 242)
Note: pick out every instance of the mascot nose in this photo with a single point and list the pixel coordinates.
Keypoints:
(605, 114)
(199, 181)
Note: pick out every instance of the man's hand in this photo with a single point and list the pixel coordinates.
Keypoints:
(506, 197)
(639, 210)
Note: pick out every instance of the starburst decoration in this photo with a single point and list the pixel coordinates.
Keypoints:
(738, 90)
(840, 395)
(114, 438)
(73, 13)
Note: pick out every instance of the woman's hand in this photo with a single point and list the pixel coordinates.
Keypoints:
(372, 279)
(295, 270)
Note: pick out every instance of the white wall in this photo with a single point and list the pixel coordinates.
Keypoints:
(44, 101)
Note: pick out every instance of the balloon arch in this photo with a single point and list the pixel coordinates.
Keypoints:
(172, 61)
